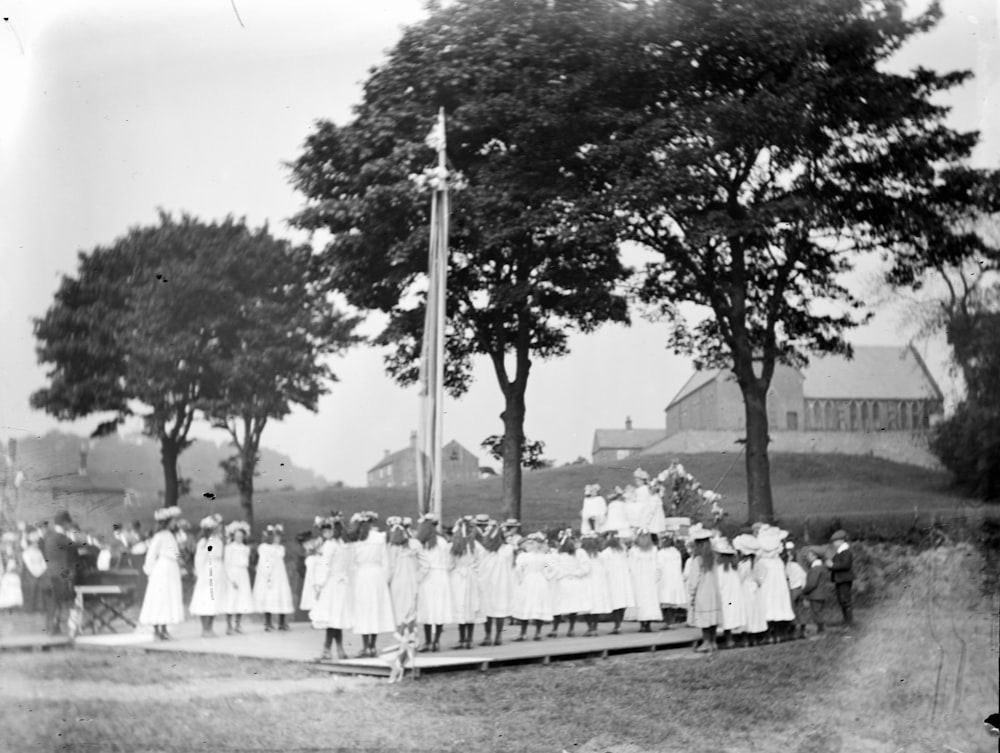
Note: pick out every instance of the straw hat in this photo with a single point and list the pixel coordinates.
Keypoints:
(641, 474)
(770, 540)
(698, 532)
(210, 522)
(721, 545)
(746, 544)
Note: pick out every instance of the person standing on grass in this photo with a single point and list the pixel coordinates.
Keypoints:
(534, 571)
(404, 573)
(463, 578)
(642, 567)
(816, 591)
(841, 566)
(774, 583)
(594, 513)
(755, 628)
(209, 594)
(703, 589)
(615, 560)
(371, 603)
(670, 580)
(496, 581)
(163, 603)
(332, 586)
(236, 564)
(796, 582)
(61, 567)
(434, 608)
(734, 614)
(272, 593)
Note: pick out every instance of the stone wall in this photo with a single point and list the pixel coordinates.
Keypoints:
(900, 446)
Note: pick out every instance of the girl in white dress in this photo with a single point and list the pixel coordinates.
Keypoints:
(672, 592)
(404, 573)
(310, 548)
(572, 577)
(534, 572)
(371, 605)
(496, 579)
(774, 592)
(464, 581)
(600, 597)
(208, 598)
(272, 593)
(756, 624)
(236, 561)
(703, 590)
(163, 603)
(734, 615)
(11, 593)
(332, 586)
(642, 565)
(619, 580)
(434, 607)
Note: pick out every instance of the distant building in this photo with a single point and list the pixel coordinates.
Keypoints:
(883, 388)
(617, 444)
(400, 468)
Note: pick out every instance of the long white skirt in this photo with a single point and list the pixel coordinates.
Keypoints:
(434, 598)
(642, 568)
(774, 591)
(600, 597)
(164, 600)
(272, 592)
(536, 598)
(496, 582)
(333, 604)
(734, 613)
(672, 591)
(239, 595)
(209, 596)
(619, 580)
(11, 595)
(308, 598)
(372, 605)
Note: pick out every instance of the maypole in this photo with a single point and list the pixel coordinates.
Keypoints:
(431, 425)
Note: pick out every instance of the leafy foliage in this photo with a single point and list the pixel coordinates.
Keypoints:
(531, 452)
(683, 496)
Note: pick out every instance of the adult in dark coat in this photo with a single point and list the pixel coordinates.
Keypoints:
(61, 569)
(842, 574)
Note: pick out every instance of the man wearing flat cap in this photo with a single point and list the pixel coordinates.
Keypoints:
(842, 574)
(61, 564)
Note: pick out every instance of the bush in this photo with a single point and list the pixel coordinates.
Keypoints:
(968, 444)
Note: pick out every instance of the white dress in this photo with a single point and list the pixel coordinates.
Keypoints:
(617, 520)
(672, 591)
(463, 578)
(372, 604)
(600, 596)
(272, 593)
(774, 589)
(163, 603)
(752, 603)
(333, 580)
(209, 596)
(404, 580)
(434, 595)
(643, 571)
(619, 580)
(573, 591)
(593, 507)
(308, 598)
(734, 613)
(534, 571)
(496, 581)
(11, 595)
(239, 596)
(703, 586)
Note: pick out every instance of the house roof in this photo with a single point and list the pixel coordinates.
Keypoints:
(876, 372)
(392, 457)
(626, 439)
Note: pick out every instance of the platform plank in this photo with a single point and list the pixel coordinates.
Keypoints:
(34, 642)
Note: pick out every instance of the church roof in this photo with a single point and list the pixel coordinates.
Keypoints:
(876, 372)
(406, 452)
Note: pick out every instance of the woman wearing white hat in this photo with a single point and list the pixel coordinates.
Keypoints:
(750, 579)
(773, 581)
(163, 603)
(208, 598)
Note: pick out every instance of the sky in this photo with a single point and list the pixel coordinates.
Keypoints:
(111, 109)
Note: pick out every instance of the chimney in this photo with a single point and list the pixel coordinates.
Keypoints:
(386, 453)
(628, 423)
(413, 439)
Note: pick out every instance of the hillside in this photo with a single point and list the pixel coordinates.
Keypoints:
(824, 488)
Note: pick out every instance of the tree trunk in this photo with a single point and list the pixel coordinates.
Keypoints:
(169, 453)
(761, 505)
(513, 443)
(248, 467)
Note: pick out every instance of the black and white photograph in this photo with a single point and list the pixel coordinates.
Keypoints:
(556, 376)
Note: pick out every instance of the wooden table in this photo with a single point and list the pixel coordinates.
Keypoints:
(101, 607)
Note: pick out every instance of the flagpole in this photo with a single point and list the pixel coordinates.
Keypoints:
(442, 271)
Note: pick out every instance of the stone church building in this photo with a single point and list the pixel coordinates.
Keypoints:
(400, 468)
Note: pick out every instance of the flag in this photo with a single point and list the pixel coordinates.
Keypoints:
(431, 423)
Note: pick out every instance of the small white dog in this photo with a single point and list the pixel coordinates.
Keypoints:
(403, 655)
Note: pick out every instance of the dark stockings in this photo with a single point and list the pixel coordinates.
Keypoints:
(618, 615)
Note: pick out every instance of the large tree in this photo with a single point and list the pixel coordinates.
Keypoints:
(276, 331)
(769, 149)
(530, 261)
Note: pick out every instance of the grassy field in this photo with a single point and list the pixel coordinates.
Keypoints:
(918, 675)
(822, 488)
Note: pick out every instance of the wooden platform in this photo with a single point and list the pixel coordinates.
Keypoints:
(303, 644)
(34, 642)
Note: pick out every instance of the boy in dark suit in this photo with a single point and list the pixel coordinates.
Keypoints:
(816, 592)
(61, 565)
(842, 573)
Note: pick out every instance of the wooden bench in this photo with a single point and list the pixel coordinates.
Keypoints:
(101, 607)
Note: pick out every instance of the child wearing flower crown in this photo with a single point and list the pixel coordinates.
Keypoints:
(465, 555)
(642, 565)
(272, 592)
(496, 581)
(434, 608)
(573, 572)
(615, 561)
(670, 580)
(534, 572)
(404, 571)
(332, 586)
(236, 561)
(209, 594)
(163, 602)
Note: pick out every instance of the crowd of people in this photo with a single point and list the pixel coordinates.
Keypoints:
(627, 561)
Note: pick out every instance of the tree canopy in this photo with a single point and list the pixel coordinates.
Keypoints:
(530, 261)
